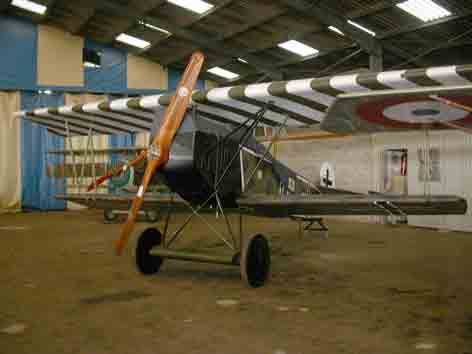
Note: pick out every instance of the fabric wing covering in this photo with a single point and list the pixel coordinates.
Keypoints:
(305, 101)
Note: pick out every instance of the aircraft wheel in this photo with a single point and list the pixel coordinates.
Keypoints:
(147, 263)
(152, 216)
(109, 215)
(255, 261)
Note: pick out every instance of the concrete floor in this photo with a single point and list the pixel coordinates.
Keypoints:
(368, 289)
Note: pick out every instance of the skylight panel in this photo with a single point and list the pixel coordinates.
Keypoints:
(362, 28)
(336, 30)
(154, 28)
(133, 41)
(223, 73)
(298, 48)
(198, 6)
(30, 6)
(425, 10)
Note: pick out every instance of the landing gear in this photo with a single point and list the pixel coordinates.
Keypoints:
(255, 261)
(147, 263)
(253, 258)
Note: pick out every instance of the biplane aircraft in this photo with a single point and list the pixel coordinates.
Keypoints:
(202, 145)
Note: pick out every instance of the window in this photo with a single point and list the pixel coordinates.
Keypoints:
(91, 58)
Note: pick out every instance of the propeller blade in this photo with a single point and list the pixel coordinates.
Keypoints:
(116, 171)
(137, 202)
(161, 144)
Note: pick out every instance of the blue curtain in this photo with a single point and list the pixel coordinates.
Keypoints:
(38, 189)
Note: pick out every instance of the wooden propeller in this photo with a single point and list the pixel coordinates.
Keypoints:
(159, 149)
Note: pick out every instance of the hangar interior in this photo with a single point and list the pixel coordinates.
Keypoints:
(64, 53)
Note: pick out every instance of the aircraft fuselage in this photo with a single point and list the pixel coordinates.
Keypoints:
(205, 155)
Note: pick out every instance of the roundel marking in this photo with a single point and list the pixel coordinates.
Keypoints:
(414, 112)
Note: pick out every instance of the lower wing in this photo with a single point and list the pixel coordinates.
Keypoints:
(351, 204)
(122, 201)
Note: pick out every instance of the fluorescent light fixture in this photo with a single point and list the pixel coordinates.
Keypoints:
(30, 6)
(242, 61)
(425, 10)
(45, 92)
(223, 73)
(298, 48)
(133, 41)
(154, 28)
(362, 28)
(336, 30)
(198, 6)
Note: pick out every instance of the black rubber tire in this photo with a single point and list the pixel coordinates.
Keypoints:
(109, 215)
(255, 261)
(148, 264)
(152, 216)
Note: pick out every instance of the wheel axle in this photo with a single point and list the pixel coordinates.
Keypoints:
(195, 257)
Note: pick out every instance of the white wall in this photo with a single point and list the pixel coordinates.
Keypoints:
(455, 150)
(357, 163)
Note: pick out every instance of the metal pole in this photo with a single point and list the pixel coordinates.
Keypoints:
(92, 150)
(166, 225)
(69, 138)
(241, 237)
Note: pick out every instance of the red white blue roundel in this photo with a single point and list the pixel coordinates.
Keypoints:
(415, 112)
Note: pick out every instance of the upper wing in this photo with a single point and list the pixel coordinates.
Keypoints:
(391, 110)
(349, 204)
(305, 101)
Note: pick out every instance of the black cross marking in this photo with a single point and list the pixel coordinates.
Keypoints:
(326, 179)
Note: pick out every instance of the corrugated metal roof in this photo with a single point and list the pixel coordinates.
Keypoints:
(256, 27)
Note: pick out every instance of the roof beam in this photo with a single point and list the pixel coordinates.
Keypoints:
(329, 17)
(198, 18)
(248, 26)
(421, 26)
(4, 5)
(50, 4)
(372, 9)
(86, 13)
(201, 40)
(213, 43)
(139, 8)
